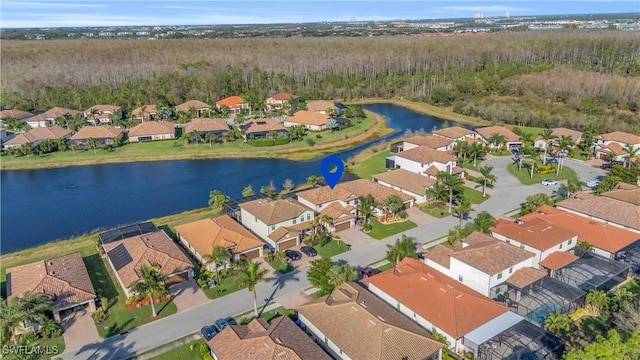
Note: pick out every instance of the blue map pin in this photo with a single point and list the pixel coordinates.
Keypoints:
(330, 163)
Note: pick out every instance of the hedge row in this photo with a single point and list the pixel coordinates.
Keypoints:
(269, 142)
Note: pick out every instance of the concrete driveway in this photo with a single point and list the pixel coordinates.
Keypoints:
(420, 218)
(356, 238)
(187, 295)
(79, 329)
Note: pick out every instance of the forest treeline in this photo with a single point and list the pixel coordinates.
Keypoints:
(568, 77)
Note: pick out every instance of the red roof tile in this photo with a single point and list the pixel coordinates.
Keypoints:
(537, 233)
(558, 259)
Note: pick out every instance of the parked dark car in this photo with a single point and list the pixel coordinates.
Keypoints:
(208, 332)
(292, 255)
(221, 324)
(309, 251)
(369, 271)
(605, 166)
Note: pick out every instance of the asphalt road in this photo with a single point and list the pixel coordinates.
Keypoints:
(509, 194)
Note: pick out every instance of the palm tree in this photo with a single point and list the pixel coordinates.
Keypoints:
(557, 323)
(210, 137)
(143, 109)
(93, 143)
(586, 142)
(487, 176)
(452, 183)
(526, 138)
(497, 140)
(312, 180)
(534, 153)
(219, 255)
(574, 184)
(484, 221)
(365, 207)
(34, 306)
(547, 135)
(597, 300)
(217, 200)
(11, 316)
(404, 247)
(195, 136)
(250, 276)
(92, 114)
(26, 149)
(462, 149)
(477, 150)
(248, 191)
(73, 148)
(585, 246)
(631, 151)
(151, 284)
(436, 192)
(463, 207)
(392, 205)
(339, 274)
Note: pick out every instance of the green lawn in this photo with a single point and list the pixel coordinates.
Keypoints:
(384, 267)
(372, 165)
(275, 313)
(633, 286)
(436, 210)
(468, 164)
(535, 131)
(474, 196)
(381, 231)
(281, 265)
(525, 179)
(226, 286)
(183, 352)
(332, 248)
(54, 346)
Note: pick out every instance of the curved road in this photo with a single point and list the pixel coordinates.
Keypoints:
(508, 195)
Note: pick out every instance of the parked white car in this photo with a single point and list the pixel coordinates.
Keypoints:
(593, 183)
(547, 182)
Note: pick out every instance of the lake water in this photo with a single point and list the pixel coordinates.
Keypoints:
(39, 206)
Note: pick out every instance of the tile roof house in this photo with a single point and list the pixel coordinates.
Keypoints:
(575, 136)
(126, 257)
(278, 100)
(65, 279)
(485, 133)
(200, 108)
(232, 103)
(454, 133)
(435, 142)
(152, 130)
(205, 126)
(48, 117)
(479, 261)
(103, 114)
(281, 339)
(105, 135)
(324, 106)
(266, 216)
(339, 204)
(424, 160)
(437, 302)
(311, 120)
(37, 135)
(352, 323)
(628, 193)
(200, 237)
(406, 182)
(150, 112)
(606, 239)
(536, 235)
(604, 209)
(14, 114)
(615, 142)
(261, 128)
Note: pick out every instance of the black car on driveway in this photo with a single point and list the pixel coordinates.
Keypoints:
(309, 251)
(369, 271)
(208, 332)
(292, 255)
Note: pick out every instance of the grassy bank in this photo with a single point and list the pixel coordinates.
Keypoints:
(372, 127)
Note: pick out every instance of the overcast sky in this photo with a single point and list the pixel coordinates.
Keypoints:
(61, 13)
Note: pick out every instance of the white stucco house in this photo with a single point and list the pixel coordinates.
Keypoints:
(424, 160)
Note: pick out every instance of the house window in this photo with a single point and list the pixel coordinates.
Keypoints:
(302, 218)
(255, 218)
(561, 245)
(508, 241)
(325, 339)
(460, 278)
(521, 246)
(295, 220)
(500, 275)
(510, 270)
(308, 216)
(273, 227)
(570, 242)
(398, 305)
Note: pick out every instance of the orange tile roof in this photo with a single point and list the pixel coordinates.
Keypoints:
(148, 110)
(407, 180)
(97, 132)
(364, 327)
(425, 155)
(259, 340)
(284, 96)
(322, 195)
(104, 108)
(537, 233)
(221, 231)
(39, 133)
(615, 148)
(573, 134)
(558, 259)
(338, 213)
(523, 277)
(431, 141)
(65, 276)
(603, 236)
(487, 131)
(308, 118)
(453, 132)
(446, 303)
(206, 124)
(432, 171)
(153, 128)
(605, 208)
(16, 114)
(272, 212)
(620, 136)
(152, 249)
(262, 125)
(53, 113)
(321, 105)
(364, 187)
(196, 104)
(232, 102)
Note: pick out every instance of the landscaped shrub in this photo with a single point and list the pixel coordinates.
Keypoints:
(310, 142)
(245, 320)
(205, 353)
(100, 315)
(262, 142)
(318, 136)
(51, 329)
(282, 141)
(403, 215)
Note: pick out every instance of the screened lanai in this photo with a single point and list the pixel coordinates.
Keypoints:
(592, 272)
(522, 341)
(127, 231)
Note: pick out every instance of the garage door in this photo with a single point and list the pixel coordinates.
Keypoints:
(406, 205)
(177, 278)
(343, 226)
(287, 244)
(251, 254)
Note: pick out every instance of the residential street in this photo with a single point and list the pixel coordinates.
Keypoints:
(508, 195)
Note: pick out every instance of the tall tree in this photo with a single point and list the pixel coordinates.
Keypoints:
(250, 276)
(288, 185)
(210, 138)
(366, 205)
(11, 316)
(484, 221)
(461, 148)
(194, 136)
(487, 177)
(631, 151)
(547, 135)
(339, 274)
(533, 202)
(534, 154)
(497, 140)
(557, 323)
(219, 255)
(392, 205)
(477, 150)
(317, 274)
(437, 192)
(404, 247)
(34, 306)
(462, 208)
(586, 142)
(92, 143)
(217, 200)
(151, 284)
(248, 191)
(597, 300)
(312, 180)
(453, 184)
